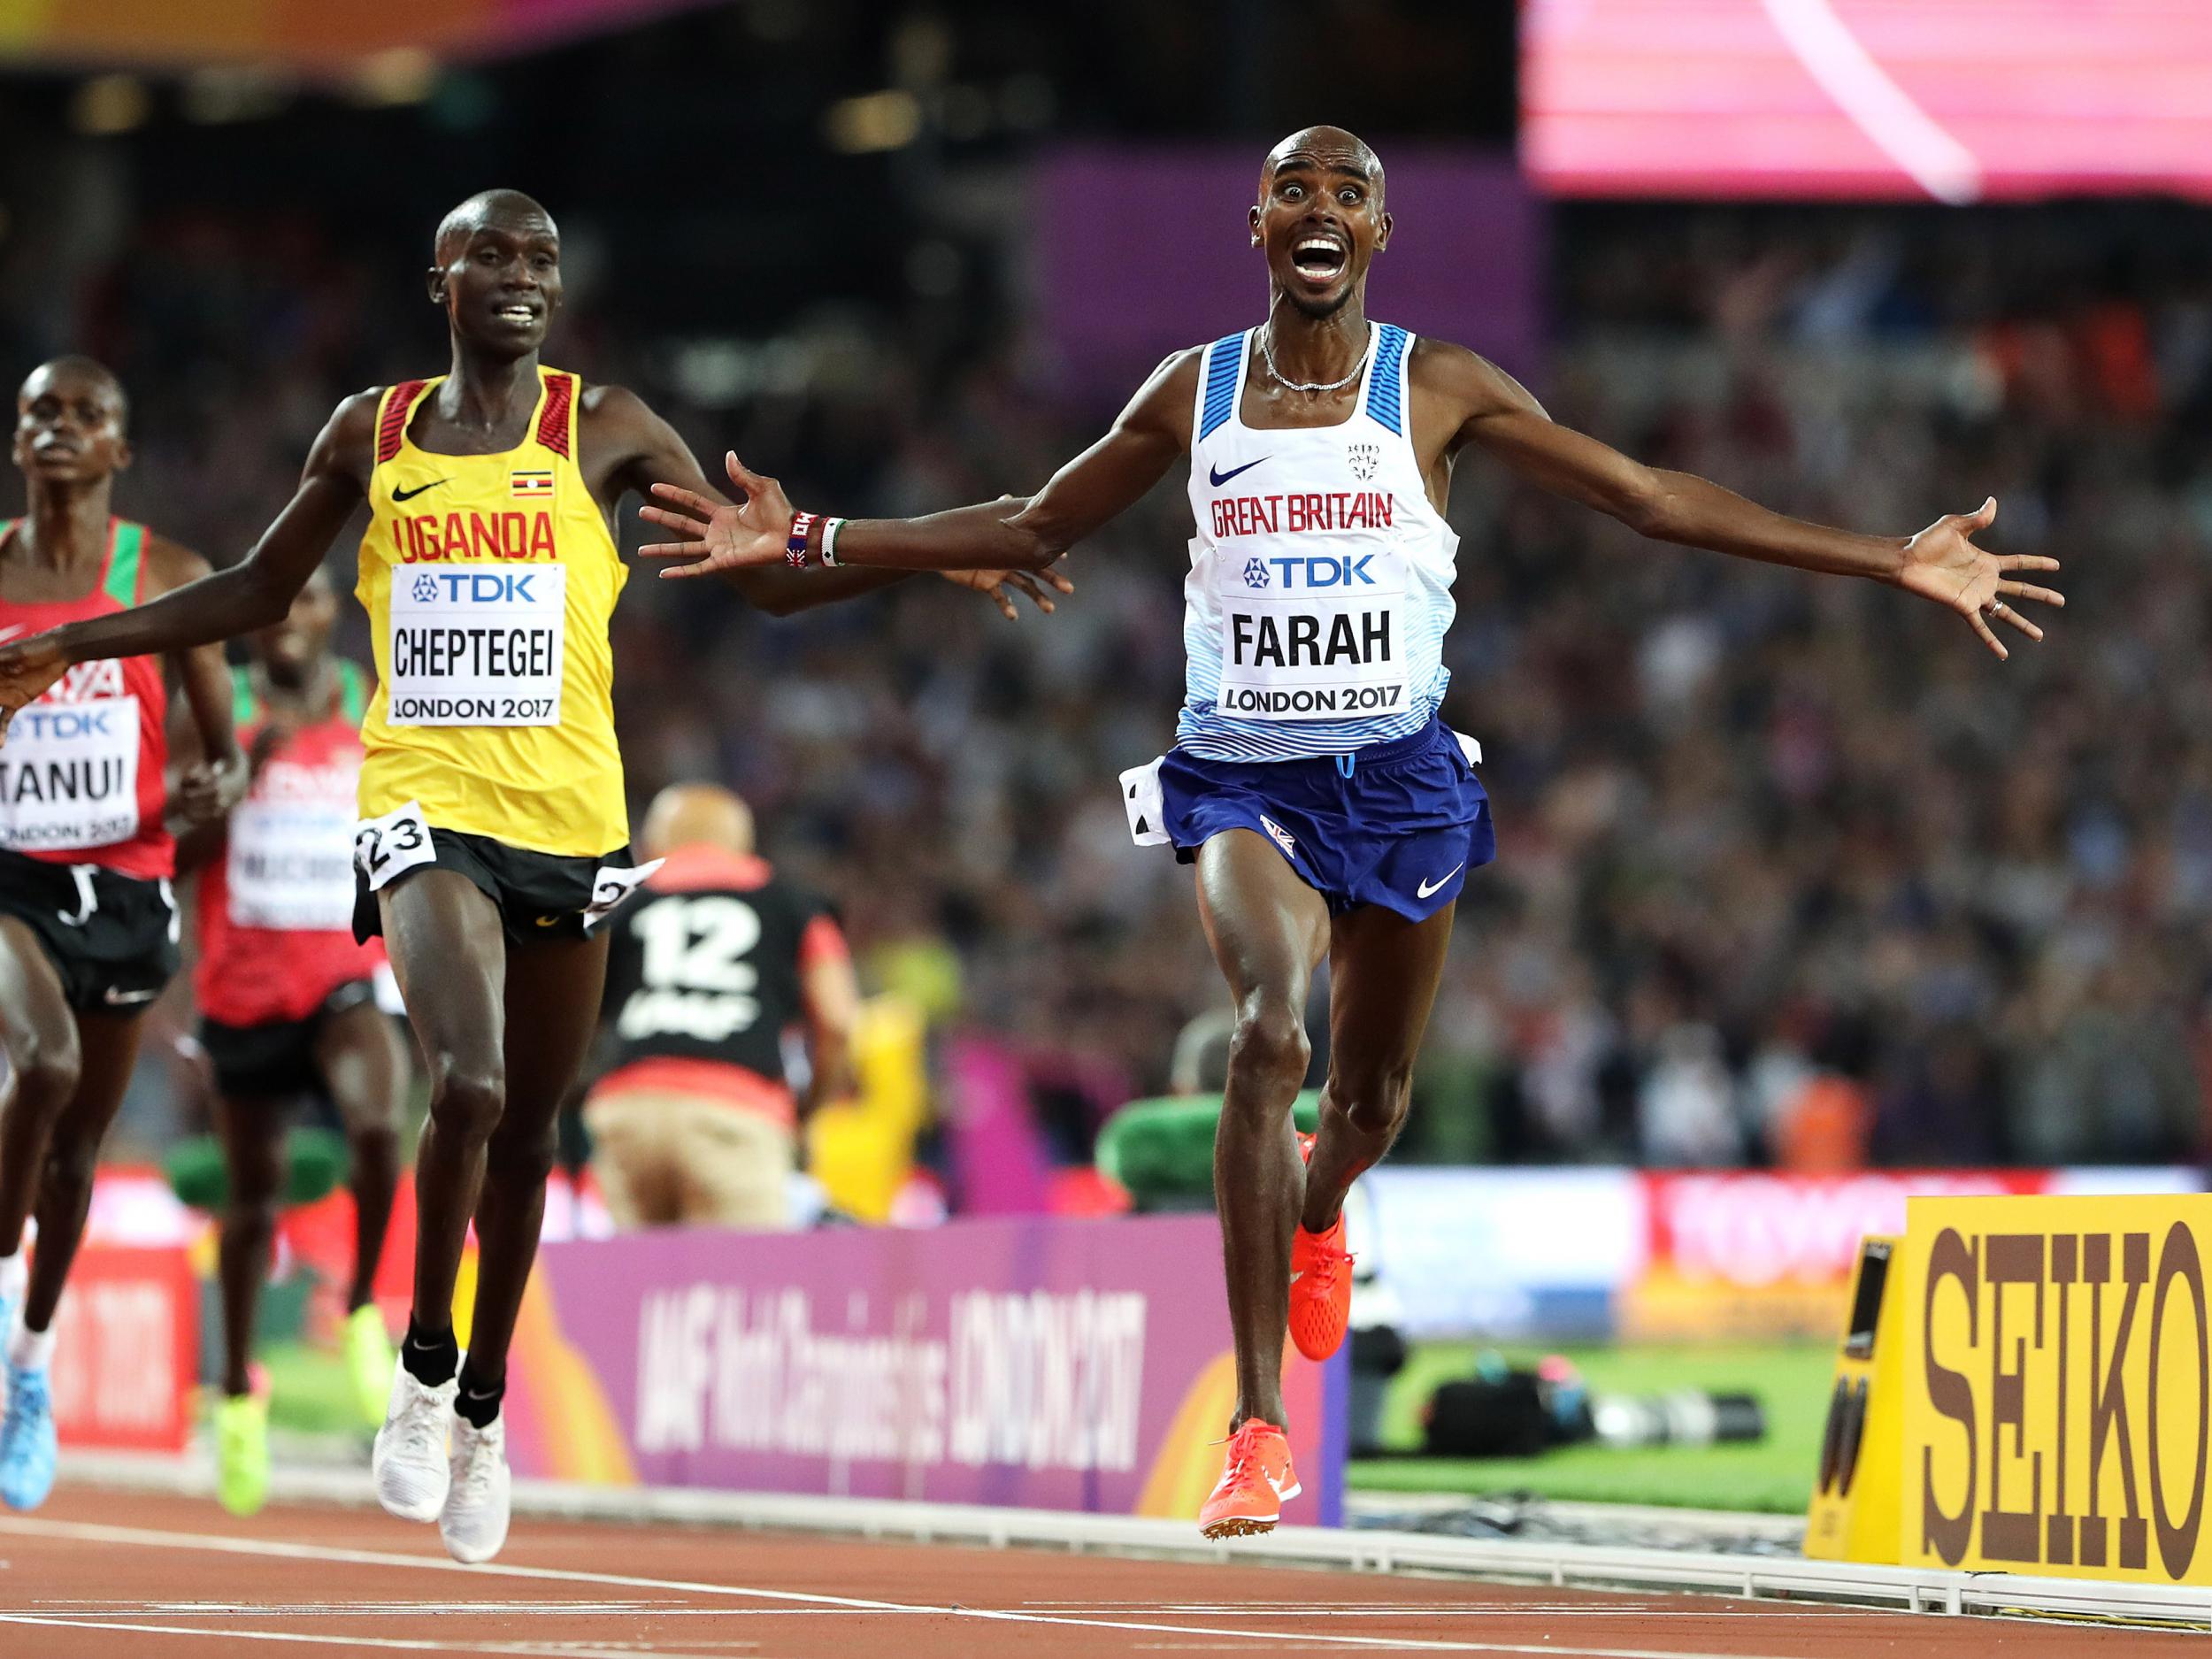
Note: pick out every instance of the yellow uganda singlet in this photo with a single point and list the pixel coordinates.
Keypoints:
(489, 580)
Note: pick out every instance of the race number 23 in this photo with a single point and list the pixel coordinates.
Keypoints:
(384, 847)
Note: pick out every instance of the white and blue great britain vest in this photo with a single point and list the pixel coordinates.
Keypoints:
(1320, 579)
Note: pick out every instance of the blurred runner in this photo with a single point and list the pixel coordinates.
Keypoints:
(493, 831)
(87, 922)
(696, 1121)
(288, 1006)
(1328, 810)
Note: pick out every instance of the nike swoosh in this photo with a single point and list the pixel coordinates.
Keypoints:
(1221, 478)
(1428, 888)
(550, 921)
(123, 999)
(409, 495)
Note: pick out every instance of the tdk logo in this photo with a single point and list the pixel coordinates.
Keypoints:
(476, 587)
(1319, 573)
(64, 722)
(1255, 572)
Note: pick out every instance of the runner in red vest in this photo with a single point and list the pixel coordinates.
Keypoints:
(88, 922)
(288, 1006)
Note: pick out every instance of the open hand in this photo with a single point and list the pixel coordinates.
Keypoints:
(1942, 563)
(995, 583)
(717, 536)
(27, 667)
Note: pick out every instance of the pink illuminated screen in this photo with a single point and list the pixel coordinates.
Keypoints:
(1957, 100)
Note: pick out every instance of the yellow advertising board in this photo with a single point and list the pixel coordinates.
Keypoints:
(2058, 1386)
(1853, 1515)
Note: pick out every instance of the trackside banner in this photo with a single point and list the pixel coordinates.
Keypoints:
(126, 1350)
(2059, 1386)
(1040, 1362)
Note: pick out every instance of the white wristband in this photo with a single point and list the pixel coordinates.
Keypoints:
(829, 540)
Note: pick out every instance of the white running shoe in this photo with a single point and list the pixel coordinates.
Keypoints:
(409, 1465)
(473, 1522)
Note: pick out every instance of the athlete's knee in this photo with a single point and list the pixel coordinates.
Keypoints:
(72, 1159)
(46, 1066)
(523, 1155)
(1374, 1096)
(1269, 1050)
(255, 1178)
(251, 1215)
(467, 1097)
(375, 1142)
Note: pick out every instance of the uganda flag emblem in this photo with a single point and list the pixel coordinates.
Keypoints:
(525, 485)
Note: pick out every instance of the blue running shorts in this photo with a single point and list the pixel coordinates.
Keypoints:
(1398, 824)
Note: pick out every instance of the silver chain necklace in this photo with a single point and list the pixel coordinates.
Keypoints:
(1268, 352)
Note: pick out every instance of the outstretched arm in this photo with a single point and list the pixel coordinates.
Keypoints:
(251, 594)
(1012, 534)
(655, 459)
(1940, 563)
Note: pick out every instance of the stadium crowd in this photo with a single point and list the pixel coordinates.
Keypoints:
(1790, 870)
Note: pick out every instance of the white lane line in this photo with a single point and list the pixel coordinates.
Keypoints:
(549, 1609)
(1881, 109)
(387, 1644)
(64, 1609)
(91, 1532)
(1417, 1611)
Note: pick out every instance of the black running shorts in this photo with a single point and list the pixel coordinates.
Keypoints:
(277, 1059)
(540, 895)
(111, 938)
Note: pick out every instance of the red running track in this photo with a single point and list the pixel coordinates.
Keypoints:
(95, 1576)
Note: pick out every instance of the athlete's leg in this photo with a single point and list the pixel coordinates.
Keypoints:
(1268, 929)
(363, 1065)
(40, 1034)
(252, 1128)
(553, 988)
(109, 1045)
(1383, 974)
(450, 956)
(74, 1069)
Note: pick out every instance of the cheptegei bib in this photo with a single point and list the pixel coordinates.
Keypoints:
(477, 644)
(69, 774)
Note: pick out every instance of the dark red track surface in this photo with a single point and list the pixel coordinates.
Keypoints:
(99, 1574)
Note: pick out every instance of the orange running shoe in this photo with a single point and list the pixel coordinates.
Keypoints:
(1320, 1284)
(1320, 1290)
(1256, 1481)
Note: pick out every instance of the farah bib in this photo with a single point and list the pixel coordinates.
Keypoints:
(1320, 583)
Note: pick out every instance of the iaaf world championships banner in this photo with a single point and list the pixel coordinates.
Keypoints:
(1044, 1362)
